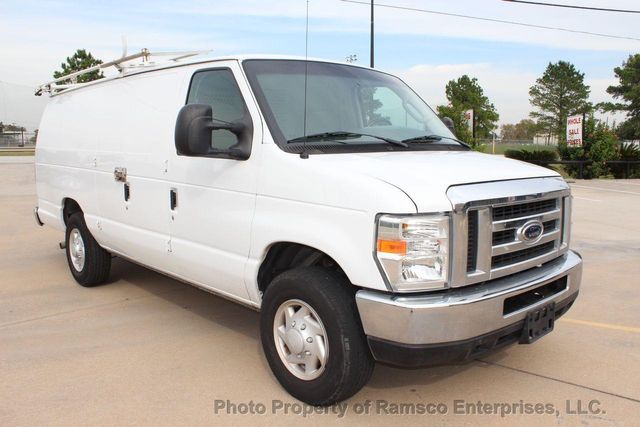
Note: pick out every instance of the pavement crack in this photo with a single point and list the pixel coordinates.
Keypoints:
(631, 399)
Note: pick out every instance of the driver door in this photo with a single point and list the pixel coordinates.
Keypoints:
(213, 198)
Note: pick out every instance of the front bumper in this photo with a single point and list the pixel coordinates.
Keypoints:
(463, 323)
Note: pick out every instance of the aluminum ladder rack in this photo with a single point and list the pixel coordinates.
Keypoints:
(58, 85)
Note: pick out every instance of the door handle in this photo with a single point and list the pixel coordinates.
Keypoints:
(173, 198)
(120, 174)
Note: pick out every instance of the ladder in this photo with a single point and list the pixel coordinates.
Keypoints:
(58, 85)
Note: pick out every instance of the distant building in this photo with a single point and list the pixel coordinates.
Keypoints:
(545, 139)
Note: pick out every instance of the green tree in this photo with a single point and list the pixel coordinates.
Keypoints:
(370, 105)
(80, 60)
(559, 93)
(459, 123)
(463, 94)
(13, 128)
(628, 92)
(600, 144)
(525, 129)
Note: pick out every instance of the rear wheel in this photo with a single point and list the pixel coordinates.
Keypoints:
(88, 261)
(312, 336)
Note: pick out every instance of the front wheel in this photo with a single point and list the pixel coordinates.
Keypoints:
(89, 263)
(312, 336)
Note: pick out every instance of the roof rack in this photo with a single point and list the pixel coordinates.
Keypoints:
(120, 64)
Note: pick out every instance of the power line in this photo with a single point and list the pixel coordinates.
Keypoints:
(571, 6)
(500, 21)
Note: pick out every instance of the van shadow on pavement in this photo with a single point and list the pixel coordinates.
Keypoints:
(229, 315)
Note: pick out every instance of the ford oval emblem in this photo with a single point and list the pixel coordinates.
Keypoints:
(531, 232)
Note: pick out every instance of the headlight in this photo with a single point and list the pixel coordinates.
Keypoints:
(413, 251)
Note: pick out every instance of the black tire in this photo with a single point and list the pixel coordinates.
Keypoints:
(97, 261)
(349, 362)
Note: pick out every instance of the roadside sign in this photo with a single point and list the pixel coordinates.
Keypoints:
(468, 117)
(574, 130)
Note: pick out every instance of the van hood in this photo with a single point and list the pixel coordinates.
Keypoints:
(425, 176)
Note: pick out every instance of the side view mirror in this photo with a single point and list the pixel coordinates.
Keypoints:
(193, 134)
(449, 124)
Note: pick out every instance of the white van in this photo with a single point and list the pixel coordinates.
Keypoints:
(328, 196)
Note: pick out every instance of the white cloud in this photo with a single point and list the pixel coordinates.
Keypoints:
(18, 105)
(508, 89)
(36, 36)
(34, 40)
(599, 94)
(340, 16)
(32, 57)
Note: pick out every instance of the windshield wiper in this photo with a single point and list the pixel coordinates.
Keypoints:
(424, 138)
(329, 136)
(432, 138)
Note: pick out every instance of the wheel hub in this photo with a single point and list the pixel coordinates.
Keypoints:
(293, 339)
(301, 339)
(76, 249)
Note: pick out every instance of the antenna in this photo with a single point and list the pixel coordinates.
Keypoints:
(304, 154)
(372, 36)
(124, 45)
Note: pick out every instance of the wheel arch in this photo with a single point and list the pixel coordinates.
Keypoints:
(284, 256)
(69, 207)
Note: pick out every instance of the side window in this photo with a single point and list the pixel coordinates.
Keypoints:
(218, 88)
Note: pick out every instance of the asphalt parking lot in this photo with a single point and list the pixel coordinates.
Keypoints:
(146, 349)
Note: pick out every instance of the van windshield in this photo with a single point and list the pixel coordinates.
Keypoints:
(346, 106)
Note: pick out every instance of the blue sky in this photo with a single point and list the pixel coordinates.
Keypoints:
(425, 49)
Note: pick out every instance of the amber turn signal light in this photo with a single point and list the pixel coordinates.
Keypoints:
(392, 246)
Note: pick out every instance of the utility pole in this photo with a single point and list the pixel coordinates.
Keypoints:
(371, 54)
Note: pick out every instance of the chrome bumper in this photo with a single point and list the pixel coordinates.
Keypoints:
(462, 313)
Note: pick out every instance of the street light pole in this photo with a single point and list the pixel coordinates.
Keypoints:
(371, 54)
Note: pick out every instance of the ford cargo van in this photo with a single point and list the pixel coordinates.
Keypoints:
(326, 195)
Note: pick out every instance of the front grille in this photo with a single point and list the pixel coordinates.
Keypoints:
(523, 209)
(509, 258)
(504, 227)
(509, 236)
(472, 240)
(504, 236)
(495, 242)
(509, 246)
